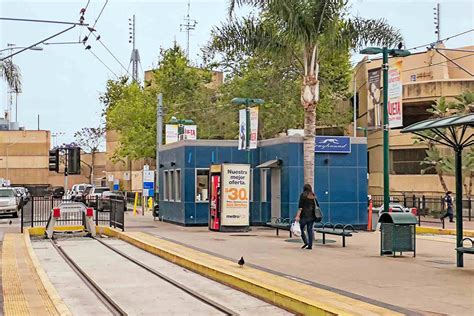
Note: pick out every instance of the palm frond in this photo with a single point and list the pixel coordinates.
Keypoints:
(11, 73)
(362, 32)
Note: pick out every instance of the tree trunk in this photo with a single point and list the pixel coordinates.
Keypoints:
(309, 98)
(441, 180)
(92, 167)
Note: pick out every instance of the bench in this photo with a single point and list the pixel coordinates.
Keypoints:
(280, 223)
(468, 250)
(337, 230)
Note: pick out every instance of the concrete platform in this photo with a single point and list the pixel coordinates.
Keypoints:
(428, 284)
(26, 289)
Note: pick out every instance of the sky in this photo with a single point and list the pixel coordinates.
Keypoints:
(62, 83)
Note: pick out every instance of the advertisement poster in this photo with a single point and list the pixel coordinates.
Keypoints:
(253, 127)
(395, 114)
(190, 132)
(242, 129)
(171, 133)
(374, 95)
(235, 184)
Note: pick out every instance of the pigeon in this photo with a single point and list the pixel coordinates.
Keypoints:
(88, 47)
(400, 45)
(241, 262)
(97, 38)
(85, 39)
(83, 10)
(10, 222)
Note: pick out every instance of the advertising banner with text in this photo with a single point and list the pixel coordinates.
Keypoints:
(395, 94)
(253, 127)
(242, 129)
(171, 133)
(235, 184)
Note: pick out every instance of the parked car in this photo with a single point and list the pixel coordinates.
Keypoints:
(22, 195)
(106, 200)
(80, 192)
(94, 194)
(394, 208)
(9, 201)
(55, 192)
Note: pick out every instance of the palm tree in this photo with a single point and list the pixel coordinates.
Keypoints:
(11, 73)
(300, 30)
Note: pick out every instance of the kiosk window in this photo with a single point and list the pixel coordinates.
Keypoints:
(177, 189)
(165, 185)
(171, 188)
(202, 185)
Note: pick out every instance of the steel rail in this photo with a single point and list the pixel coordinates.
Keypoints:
(101, 295)
(182, 287)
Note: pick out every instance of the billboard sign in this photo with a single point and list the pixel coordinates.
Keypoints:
(190, 132)
(333, 144)
(374, 94)
(242, 129)
(235, 183)
(394, 104)
(171, 132)
(253, 127)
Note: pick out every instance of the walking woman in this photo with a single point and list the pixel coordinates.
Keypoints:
(306, 215)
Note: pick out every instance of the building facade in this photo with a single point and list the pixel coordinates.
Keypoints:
(426, 77)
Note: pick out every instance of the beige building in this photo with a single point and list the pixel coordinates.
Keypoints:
(24, 161)
(426, 77)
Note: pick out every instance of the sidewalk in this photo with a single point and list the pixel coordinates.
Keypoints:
(429, 283)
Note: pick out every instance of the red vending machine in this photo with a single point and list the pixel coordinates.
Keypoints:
(229, 203)
(215, 200)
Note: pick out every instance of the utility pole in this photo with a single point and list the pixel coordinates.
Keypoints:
(159, 139)
(188, 26)
(437, 22)
(135, 57)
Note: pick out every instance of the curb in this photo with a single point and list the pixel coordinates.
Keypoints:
(441, 231)
(58, 303)
(263, 285)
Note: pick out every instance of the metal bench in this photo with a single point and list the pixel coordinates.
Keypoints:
(468, 250)
(337, 230)
(280, 223)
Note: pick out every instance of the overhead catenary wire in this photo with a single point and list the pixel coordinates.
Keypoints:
(441, 40)
(110, 52)
(438, 63)
(103, 63)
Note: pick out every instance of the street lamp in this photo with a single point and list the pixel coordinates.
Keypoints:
(394, 53)
(247, 102)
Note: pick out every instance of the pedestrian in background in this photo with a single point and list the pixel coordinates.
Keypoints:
(448, 206)
(306, 215)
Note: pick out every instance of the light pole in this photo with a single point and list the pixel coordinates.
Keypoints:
(386, 163)
(247, 102)
(366, 61)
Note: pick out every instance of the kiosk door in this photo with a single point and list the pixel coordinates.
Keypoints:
(215, 199)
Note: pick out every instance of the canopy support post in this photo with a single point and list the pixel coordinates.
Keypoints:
(459, 180)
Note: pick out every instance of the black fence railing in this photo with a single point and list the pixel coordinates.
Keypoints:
(430, 209)
(36, 211)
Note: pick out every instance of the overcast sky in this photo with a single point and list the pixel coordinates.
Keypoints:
(62, 83)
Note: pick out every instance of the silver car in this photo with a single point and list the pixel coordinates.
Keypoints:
(9, 200)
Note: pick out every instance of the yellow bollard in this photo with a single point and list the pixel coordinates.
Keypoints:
(135, 204)
(150, 203)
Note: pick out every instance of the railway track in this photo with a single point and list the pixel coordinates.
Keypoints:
(113, 306)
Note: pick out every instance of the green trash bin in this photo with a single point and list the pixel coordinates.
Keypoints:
(397, 233)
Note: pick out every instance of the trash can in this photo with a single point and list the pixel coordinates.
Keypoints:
(397, 233)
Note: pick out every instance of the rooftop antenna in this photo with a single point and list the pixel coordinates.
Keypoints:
(437, 21)
(188, 26)
(135, 57)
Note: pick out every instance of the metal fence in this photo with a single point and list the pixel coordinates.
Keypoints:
(36, 211)
(430, 209)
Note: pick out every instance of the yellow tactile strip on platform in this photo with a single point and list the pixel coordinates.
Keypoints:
(23, 291)
(289, 294)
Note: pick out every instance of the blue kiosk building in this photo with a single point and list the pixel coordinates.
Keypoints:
(276, 178)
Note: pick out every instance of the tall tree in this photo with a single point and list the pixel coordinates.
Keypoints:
(300, 32)
(90, 139)
(11, 73)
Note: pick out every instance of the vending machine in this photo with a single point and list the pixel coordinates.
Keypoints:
(229, 203)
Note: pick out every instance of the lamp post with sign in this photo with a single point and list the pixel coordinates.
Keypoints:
(248, 102)
(385, 53)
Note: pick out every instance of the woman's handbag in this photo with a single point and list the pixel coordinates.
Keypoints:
(318, 215)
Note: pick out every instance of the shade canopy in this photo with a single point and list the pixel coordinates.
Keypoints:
(451, 130)
(275, 163)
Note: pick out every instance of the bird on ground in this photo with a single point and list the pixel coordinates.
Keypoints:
(241, 262)
(10, 222)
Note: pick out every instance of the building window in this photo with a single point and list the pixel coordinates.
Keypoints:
(171, 188)
(165, 185)
(407, 161)
(202, 185)
(263, 184)
(177, 182)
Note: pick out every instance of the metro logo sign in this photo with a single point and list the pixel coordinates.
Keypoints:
(395, 94)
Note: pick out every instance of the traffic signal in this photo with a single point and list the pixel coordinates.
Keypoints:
(54, 160)
(74, 160)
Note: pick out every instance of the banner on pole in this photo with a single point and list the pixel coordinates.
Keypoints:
(171, 133)
(190, 132)
(253, 127)
(242, 129)
(395, 94)
(374, 97)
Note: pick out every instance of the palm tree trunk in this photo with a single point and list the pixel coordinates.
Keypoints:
(441, 180)
(309, 97)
